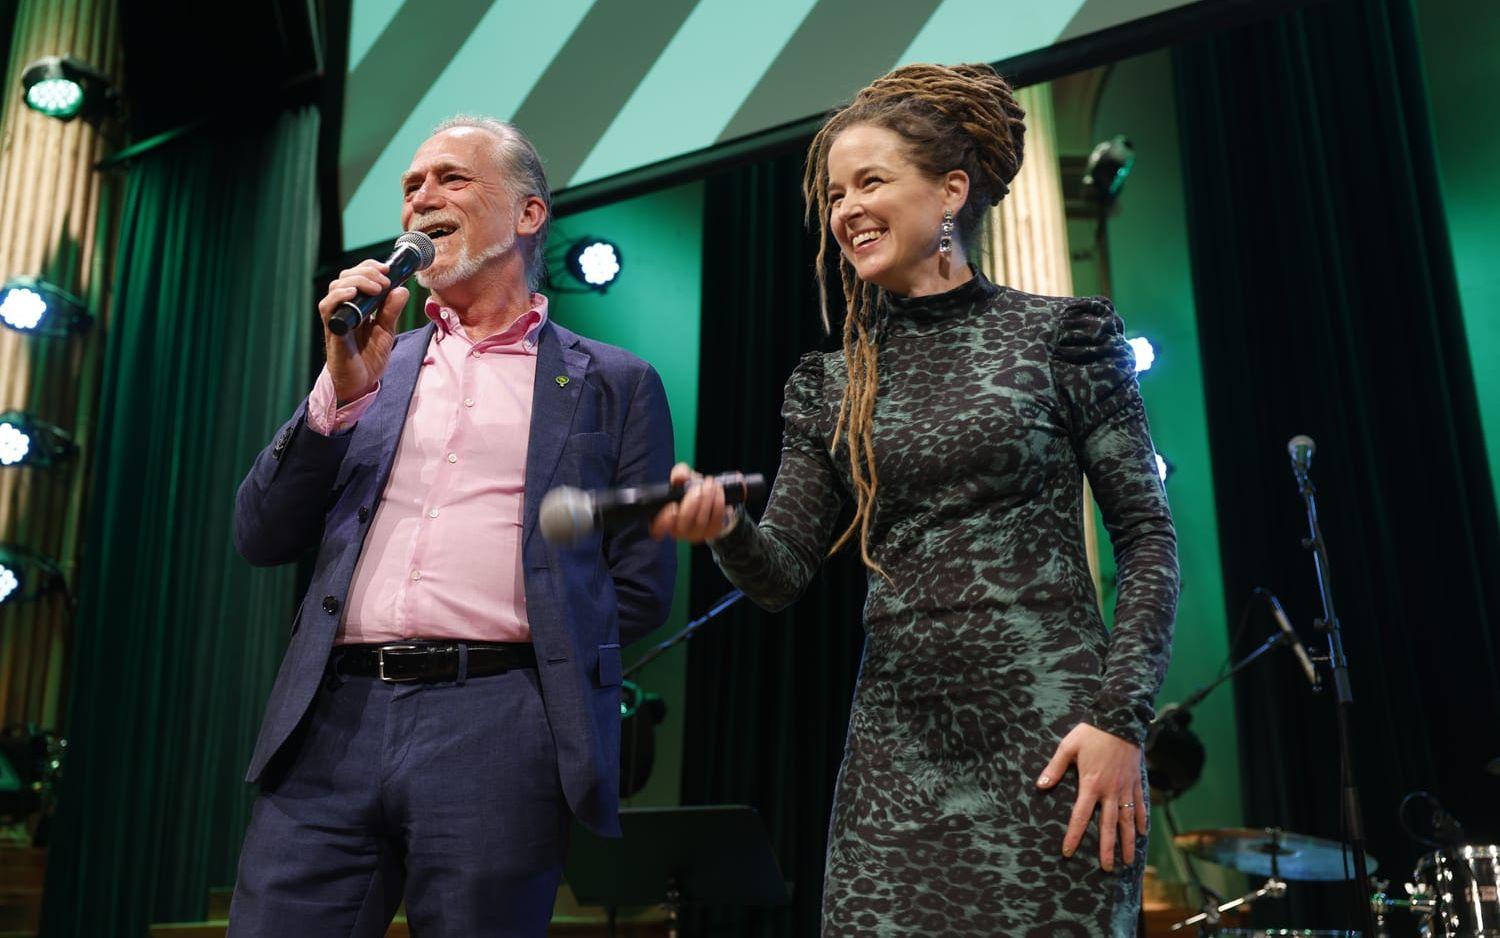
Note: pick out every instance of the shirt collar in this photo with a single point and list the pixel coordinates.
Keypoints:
(524, 332)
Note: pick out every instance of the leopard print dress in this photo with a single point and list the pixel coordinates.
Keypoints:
(986, 646)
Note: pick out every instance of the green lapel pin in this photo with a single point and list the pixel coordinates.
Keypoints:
(562, 381)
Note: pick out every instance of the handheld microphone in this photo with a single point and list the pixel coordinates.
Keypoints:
(414, 251)
(1298, 649)
(569, 515)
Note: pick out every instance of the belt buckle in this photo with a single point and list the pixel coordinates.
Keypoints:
(380, 663)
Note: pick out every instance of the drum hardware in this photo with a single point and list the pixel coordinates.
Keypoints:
(1456, 891)
(1286, 932)
(1175, 756)
(1197, 842)
(1273, 889)
(1416, 903)
(1443, 828)
(1271, 852)
(1208, 900)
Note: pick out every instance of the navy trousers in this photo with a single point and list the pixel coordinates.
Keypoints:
(444, 794)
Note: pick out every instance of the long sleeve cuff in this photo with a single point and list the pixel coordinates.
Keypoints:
(1128, 719)
(733, 547)
(324, 415)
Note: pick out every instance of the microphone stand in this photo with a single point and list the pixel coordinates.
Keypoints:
(1208, 918)
(724, 602)
(1339, 664)
(1179, 712)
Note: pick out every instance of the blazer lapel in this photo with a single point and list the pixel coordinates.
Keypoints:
(560, 369)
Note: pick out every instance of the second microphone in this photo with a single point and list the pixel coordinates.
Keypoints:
(568, 515)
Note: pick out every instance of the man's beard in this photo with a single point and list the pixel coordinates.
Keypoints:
(465, 266)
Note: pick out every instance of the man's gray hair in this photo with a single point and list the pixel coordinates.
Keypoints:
(521, 170)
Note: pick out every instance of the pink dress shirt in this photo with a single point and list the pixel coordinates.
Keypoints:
(443, 556)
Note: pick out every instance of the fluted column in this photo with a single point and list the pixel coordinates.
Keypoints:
(1026, 240)
(57, 221)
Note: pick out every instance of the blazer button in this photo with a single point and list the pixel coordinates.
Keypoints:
(330, 604)
(364, 513)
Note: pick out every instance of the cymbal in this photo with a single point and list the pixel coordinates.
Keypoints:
(1249, 850)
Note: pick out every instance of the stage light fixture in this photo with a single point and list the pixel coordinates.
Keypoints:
(1108, 165)
(28, 304)
(25, 576)
(27, 441)
(10, 581)
(1145, 353)
(594, 262)
(1163, 468)
(65, 88)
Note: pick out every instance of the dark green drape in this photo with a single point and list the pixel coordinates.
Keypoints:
(177, 638)
(767, 695)
(1328, 306)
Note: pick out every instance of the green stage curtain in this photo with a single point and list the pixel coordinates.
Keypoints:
(767, 695)
(1328, 306)
(177, 638)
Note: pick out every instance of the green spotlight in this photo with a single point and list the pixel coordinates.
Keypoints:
(27, 441)
(25, 576)
(594, 262)
(65, 88)
(29, 304)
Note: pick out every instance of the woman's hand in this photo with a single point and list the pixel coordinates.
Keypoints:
(700, 516)
(1109, 777)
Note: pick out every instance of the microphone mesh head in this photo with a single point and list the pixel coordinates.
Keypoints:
(566, 516)
(1301, 439)
(426, 250)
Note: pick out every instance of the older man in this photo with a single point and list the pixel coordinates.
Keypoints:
(449, 700)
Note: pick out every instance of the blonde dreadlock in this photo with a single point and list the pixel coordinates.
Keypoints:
(952, 117)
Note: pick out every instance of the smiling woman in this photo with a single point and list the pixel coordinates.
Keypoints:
(996, 727)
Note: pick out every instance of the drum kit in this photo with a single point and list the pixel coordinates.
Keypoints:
(1454, 892)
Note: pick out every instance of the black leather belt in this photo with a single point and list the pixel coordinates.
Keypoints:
(408, 662)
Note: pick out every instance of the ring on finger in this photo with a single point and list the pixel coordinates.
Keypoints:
(1128, 804)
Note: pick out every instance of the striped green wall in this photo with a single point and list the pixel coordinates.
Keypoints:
(605, 87)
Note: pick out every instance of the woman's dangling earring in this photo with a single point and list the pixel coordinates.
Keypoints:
(945, 239)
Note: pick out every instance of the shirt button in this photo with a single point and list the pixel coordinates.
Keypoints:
(453, 457)
(364, 513)
(468, 402)
(432, 512)
(330, 604)
(474, 353)
(416, 574)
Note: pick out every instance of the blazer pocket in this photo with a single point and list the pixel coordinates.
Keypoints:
(609, 665)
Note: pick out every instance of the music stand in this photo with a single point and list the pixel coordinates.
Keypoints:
(698, 855)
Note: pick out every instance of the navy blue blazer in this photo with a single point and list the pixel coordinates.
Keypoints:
(607, 424)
